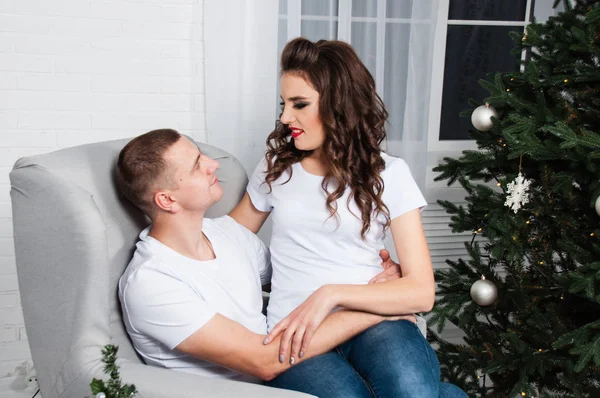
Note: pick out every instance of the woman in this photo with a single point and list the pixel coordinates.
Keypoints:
(332, 195)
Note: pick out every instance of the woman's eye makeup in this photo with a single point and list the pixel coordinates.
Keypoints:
(297, 105)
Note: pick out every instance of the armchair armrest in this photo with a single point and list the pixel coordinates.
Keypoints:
(154, 382)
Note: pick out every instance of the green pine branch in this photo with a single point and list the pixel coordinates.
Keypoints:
(113, 388)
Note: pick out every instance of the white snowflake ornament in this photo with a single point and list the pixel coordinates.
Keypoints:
(517, 193)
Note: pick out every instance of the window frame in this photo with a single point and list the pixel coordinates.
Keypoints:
(434, 144)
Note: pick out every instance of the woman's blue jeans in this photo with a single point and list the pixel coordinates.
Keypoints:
(391, 359)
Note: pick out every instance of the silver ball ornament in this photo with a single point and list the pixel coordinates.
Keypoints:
(484, 292)
(100, 395)
(597, 205)
(482, 117)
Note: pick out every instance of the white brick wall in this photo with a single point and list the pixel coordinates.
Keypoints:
(80, 71)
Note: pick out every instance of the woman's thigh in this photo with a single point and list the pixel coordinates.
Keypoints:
(327, 375)
(395, 360)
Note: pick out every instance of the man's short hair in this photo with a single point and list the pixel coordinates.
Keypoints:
(142, 168)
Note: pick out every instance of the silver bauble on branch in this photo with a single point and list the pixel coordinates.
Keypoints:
(100, 395)
(482, 117)
(484, 292)
(597, 205)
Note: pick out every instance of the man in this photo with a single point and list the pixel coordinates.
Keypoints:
(191, 295)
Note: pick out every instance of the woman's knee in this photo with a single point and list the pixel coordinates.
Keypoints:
(392, 331)
(328, 375)
(396, 360)
(398, 341)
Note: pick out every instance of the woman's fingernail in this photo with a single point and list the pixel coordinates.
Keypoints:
(281, 358)
(292, 360)
(266, 340)
(301, 354)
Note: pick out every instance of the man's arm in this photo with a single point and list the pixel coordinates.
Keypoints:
(230, 344)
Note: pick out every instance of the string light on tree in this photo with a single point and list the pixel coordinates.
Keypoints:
(484, 292)
(482, 117)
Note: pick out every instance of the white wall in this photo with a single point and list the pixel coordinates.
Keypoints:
(80, 71)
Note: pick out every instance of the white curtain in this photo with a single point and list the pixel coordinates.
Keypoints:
(244, 38)
(240, 75)
(394, 38)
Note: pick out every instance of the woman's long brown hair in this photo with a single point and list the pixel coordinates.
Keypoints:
(353, 118)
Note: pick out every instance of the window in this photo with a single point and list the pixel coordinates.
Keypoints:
(471, 41)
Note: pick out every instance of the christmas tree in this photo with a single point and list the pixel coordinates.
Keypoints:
(532, 328)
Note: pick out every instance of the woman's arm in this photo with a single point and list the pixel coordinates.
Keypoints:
(247, 215)
(414, 292)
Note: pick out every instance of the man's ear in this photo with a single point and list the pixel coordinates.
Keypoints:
(165, 201)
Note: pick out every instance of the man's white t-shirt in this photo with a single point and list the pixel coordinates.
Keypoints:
(309, 248)
(166, 297)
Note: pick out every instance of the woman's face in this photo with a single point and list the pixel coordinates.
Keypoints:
(300, 111)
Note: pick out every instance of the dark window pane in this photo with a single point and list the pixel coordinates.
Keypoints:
(320, 7)
(471, 53)
(317, 30)
(364, 8)
(364, 41)
(488, 10)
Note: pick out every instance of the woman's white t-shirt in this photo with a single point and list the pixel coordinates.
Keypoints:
(309, 248)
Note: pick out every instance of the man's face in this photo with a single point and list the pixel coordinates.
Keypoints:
(194, 174)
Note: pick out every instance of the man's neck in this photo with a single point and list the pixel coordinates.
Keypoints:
(183, 233)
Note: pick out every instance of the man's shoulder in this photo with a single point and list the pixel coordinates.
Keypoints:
(230, 227)
(143, 270)
(224, 222)
(236, 233)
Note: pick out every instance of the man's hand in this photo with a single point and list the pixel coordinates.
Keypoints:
(391, 270)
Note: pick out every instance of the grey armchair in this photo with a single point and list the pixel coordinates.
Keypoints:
(74, 237)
